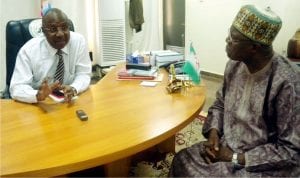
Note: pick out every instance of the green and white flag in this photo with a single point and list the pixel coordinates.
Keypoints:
(192, 66)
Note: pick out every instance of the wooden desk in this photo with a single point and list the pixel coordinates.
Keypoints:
(125, 118)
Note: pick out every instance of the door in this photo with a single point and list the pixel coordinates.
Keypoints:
(174, 23)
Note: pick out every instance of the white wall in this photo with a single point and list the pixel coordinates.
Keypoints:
(208, 21)
(151, 36)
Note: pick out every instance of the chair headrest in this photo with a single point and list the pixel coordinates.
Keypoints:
(35, 28)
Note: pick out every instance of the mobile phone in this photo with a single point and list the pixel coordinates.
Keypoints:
(58, 93)
(81, 115)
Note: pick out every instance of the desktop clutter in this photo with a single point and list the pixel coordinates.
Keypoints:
(144, 67)
(138, 67)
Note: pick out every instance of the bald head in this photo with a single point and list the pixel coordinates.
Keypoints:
(54, 14)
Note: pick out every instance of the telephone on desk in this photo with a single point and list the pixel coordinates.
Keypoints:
(177, 65)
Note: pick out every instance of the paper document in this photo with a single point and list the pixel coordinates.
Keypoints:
(148, 84)
(60, 99)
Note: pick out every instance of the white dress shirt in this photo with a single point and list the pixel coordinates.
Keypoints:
(37, 60)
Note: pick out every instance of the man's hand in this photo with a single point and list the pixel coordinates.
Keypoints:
(69, 93)
(213, 151)
(224, 154)
(45, 89)
(211, 147)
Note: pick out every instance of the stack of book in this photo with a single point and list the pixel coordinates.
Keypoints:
(166, 56)
(138, 67)
(137, 74)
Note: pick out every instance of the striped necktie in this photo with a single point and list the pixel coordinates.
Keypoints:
(59, 74)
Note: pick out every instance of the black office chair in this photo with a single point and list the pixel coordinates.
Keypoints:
(18, 32)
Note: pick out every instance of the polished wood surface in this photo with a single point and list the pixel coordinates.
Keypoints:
(48, 139)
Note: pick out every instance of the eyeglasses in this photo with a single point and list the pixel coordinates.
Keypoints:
(230, 39)
(55, 28)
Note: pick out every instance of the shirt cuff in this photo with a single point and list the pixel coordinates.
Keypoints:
(246, 159)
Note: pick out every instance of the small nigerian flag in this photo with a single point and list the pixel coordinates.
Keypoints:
(192, 65)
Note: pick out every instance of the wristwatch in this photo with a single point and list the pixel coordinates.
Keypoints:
(74, 91)
(234, 159)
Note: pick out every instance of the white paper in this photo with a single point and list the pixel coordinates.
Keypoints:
(59, 99)
(148, 84)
